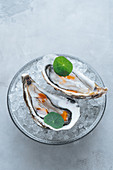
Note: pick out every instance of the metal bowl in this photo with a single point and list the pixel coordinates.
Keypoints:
(91, 110)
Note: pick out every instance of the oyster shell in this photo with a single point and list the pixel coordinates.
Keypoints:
(40, 103)
(75, 85)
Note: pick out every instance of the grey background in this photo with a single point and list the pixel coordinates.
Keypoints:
(32, 28)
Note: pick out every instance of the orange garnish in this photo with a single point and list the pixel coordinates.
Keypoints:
(41, 97)
(64, 115)
(42, 109)
(67, 77)
(70, 77)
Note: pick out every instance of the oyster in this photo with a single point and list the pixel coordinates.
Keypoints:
(40, 103)
(75, 85)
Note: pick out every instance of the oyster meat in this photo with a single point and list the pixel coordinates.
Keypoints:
(75, 85)
(40, 103)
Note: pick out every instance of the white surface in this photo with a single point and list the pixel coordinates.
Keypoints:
(32, 28)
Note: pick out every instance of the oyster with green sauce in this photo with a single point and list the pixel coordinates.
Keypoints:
(41, 103)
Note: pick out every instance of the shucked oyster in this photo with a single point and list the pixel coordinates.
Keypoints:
(40, 103)
(76, 84)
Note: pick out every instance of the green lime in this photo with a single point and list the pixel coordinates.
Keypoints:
(62, 66)
(54, 119)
